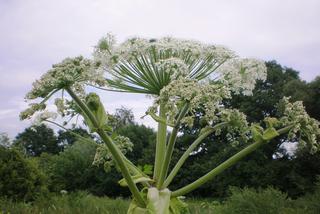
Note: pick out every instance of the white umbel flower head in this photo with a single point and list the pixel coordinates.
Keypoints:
(147, 65)
(65, 74)
(71, 72)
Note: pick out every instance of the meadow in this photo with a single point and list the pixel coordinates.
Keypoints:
(245, 201)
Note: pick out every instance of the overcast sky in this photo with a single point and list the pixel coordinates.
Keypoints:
(38, 33)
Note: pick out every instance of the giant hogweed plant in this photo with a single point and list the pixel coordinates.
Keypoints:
(183, 78)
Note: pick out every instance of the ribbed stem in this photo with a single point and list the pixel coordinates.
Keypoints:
(114, 150)
(225, 165)
(186, 154)
(161, 144)
(170, 146)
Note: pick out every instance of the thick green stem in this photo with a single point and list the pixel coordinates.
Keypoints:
(225, 165)
(161, 144)
(170, 146)
(186, 154)
(159, 119)
(116, 153)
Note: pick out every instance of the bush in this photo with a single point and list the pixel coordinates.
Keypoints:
(20, 178)
(74, 203)
(310, 203)
(266, 201)
(252, 201)
(72, 169)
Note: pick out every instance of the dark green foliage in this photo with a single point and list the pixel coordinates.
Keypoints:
(264, 201)
(247, 201)
(313, 102)
(124, 117)
(143, 139)
(72, 170)
(66, 138)
(4, 140)
(19, 178)
(36, 140)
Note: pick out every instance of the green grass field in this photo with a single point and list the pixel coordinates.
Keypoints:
(83, 203)
(245, 201)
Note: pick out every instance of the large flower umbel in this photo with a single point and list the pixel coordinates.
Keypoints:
(148, 65)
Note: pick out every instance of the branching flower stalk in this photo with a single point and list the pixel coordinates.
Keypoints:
(188, 81)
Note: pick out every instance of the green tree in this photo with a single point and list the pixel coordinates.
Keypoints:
(123, 117)
(142, 138)
(4, 140)
(66, 138)
(38, 139)
(313, 102)
(20, 178)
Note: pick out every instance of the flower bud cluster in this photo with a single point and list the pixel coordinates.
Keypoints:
(199, 95)
(175, 67)
(305, 128)
(103, 155)
(42, 116)
(29, 112)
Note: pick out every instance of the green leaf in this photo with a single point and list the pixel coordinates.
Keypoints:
(135, 209)
(146, 169)
(136, 179)
(271, 122)
(177, 206)
(205, 129)
(269, 134)
(256, 131)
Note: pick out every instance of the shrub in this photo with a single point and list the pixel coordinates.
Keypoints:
(252, 201)
(78, 202)
(20, 178)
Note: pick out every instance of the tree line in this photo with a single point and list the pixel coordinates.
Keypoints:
(40, 161)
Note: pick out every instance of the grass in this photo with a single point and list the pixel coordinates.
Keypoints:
(81, 202)
(241, 201)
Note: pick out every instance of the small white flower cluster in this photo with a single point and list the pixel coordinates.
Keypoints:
(131, 48)
(197, 94)
(103, 155)
(241, 74)
(44, 116)
(60, 104)
(305, 128)
(70, 72)
(237, 121)
(34, 107)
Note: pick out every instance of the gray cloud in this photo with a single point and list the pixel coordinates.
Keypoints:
(35, 34)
